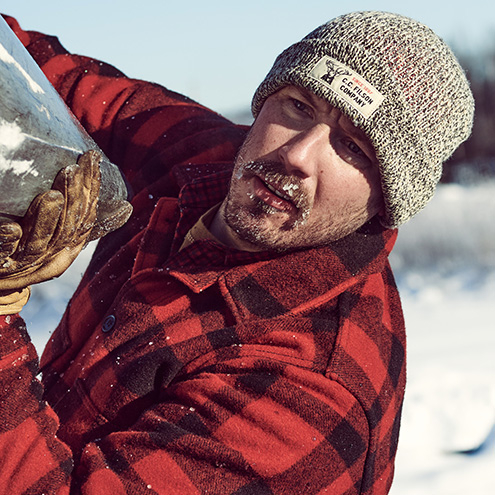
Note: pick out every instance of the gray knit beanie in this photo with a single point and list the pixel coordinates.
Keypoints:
(398, 82)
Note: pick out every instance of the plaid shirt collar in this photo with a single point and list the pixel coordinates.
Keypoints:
(200, 264)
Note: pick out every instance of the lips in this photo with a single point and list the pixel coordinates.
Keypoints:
(276, 190)
(272, 195)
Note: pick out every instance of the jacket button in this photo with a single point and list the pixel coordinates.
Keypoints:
(108, 323)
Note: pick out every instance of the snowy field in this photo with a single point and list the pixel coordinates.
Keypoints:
(445, 267)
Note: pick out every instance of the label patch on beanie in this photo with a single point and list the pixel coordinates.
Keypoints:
(347, 84)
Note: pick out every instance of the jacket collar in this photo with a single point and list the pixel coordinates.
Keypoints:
(202, 263)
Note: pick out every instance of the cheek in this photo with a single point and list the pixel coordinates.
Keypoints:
(263, 140)
(345, 187)
(374, 186)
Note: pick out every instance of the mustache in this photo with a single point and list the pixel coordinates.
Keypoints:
(274, 174)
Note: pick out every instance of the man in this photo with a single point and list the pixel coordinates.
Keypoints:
(242, 333)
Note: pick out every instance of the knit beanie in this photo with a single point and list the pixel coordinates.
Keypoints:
(395, 79)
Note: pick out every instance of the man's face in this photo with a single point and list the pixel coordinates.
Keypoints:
(305, 176)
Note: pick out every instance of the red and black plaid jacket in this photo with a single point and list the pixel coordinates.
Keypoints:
(205, 370)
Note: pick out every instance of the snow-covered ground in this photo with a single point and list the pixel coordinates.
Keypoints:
(445, 267)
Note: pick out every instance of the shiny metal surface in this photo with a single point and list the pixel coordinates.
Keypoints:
(39, 135)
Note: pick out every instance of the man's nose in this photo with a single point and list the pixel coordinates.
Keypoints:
(302, 152)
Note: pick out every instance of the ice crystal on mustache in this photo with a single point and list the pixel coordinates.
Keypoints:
(277, 179)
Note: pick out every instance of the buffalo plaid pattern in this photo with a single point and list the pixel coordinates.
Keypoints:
(204, 370)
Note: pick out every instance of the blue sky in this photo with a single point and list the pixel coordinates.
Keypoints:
(217, 52)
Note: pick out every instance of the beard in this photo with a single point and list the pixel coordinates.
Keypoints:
(265, 227)
(288, 187)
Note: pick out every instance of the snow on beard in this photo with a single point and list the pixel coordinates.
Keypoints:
(288, 187)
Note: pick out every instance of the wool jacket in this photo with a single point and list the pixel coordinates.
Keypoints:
(205, 370)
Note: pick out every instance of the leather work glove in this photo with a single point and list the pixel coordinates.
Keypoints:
(55, 228)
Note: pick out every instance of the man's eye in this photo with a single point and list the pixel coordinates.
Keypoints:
(354, 148)
(351, 152)
(299, 105)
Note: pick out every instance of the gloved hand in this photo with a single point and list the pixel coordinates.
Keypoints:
(53, 231)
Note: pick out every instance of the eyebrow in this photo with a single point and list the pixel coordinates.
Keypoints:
(355, 131)
(314, 99)
(347, 123)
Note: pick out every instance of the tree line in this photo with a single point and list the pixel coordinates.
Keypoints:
(476, 157)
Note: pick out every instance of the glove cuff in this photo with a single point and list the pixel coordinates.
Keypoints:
(11, 303)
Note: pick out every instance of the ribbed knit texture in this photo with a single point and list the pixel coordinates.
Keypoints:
(428, 107)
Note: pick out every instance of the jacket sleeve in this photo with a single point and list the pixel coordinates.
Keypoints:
(31, 456)
(241, 424)
(142, 127)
